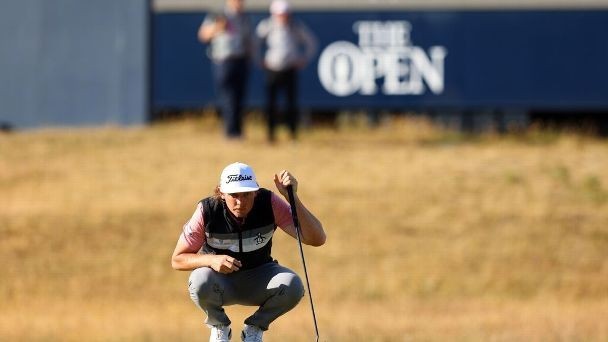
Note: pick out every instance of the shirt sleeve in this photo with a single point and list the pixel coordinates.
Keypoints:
(309, 41)
(258, 41)
(193, 232)
(209, 19)
(261, 30)
(281, 211)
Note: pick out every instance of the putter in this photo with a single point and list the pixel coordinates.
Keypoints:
(294, 214)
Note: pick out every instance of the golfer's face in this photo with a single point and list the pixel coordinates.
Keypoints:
(239, 203)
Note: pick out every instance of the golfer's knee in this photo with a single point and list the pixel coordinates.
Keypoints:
(199, 284)
(291, 291)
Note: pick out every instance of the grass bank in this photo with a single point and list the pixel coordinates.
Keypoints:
(432, 235)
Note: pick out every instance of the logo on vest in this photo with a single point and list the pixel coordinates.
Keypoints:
(238, 178)
(259, 239)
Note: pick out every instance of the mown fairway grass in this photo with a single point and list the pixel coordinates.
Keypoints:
(432, 235)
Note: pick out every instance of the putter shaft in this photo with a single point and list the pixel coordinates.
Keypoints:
(296, 222)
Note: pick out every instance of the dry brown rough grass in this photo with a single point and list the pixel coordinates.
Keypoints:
(432, 235)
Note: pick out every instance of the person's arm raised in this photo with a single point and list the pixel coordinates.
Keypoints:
(312, 230)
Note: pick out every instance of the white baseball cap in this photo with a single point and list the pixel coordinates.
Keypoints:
(238, 177)
(279, 7)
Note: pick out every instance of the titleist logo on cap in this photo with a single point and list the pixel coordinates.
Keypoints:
(238, 178)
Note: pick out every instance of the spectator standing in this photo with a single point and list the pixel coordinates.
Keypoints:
(230, 37)
(288, 47)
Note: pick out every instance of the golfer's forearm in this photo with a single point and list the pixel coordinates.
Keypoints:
(313, 232)
(190, 261)
(312, 229)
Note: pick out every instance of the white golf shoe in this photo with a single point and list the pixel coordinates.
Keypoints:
(251, 334)
(220, 333)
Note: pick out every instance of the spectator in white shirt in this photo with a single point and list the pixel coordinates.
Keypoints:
(288, 46)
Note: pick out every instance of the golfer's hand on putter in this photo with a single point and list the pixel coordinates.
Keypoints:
(225, 264)
(284, 179)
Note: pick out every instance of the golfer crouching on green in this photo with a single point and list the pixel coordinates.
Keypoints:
(233, 231)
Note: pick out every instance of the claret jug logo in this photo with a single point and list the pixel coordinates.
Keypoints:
(385, 52)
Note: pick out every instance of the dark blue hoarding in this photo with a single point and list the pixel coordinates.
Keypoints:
(74, 63)
(549, 60)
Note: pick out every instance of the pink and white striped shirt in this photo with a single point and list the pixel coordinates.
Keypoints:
(194, 230)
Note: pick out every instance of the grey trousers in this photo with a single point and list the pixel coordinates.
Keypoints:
(272, 287)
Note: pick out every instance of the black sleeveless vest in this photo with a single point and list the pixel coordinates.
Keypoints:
(249, 242)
